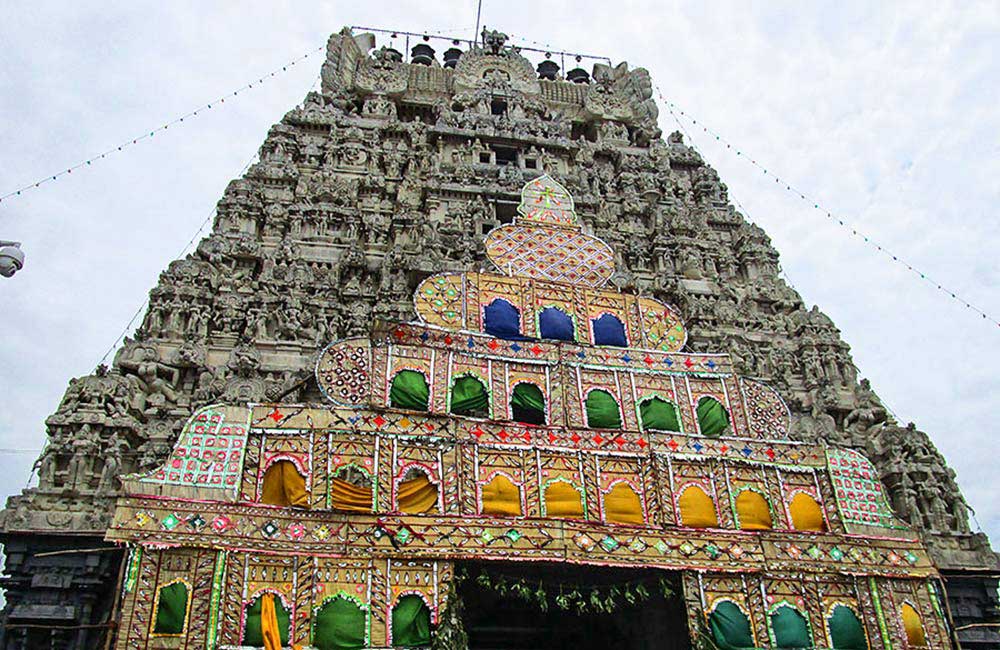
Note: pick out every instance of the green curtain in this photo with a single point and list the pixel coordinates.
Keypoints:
(339, 625)
(659, 414)
(602, 411)
(790, 629)
(527, 404)
(409, 391)
(846, 630)
(469, 397)
(171, 610)
(411, 623)
(730, 627)
(252, 634)
(712, 417)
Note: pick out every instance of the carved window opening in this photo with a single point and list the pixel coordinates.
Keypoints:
(498, 106)
(527, 404)
(531, 163)
(416, 113)
(504, 155)
(485, 158)
(584, 131)
(505, 211)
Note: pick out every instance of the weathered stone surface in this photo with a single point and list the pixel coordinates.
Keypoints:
(395, 170)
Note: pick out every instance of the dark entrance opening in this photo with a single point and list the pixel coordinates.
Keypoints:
(501, 614)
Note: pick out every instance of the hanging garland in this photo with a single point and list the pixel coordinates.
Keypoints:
(582, 599)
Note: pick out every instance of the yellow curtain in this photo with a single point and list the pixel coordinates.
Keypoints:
(563, 500)
(501, 497)
(622, 505)
(350, 497)
(269, 623)
(697, 509)
(284, 486)
(914, 628)
(416, 495)
(806, 513)
(753, 512)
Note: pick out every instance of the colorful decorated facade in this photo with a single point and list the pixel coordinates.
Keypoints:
(531, 416)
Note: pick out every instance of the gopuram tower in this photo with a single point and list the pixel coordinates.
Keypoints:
(473, 335)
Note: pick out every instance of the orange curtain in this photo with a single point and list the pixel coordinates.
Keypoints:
(501, 497)
(753, 511)
(416, 496)
(284, 486)
(350, 497)
(269, 623)
(806, 513)
(913, 626)
(563, 500)
(697, 509)
(622, 505)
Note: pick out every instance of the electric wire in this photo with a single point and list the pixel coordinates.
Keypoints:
(152, 132)
(674, 110)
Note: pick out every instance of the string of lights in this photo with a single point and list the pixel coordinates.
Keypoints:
(152, 132)
(746, 213)
(677, 112)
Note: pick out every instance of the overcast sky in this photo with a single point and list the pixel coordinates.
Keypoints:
(886, 113)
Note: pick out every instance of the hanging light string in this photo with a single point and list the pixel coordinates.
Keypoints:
(677, 112)
(187, 246)
(152, 132)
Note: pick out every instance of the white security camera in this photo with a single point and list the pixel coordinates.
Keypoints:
(11, 258)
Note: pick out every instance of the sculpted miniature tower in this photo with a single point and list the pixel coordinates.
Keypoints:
(493, 253)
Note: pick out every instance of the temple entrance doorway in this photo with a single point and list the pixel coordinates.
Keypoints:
(549, 606)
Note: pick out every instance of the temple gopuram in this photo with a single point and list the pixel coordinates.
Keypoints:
(475, 358)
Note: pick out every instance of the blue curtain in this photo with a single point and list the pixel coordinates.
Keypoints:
(609, 330)
(553, 323)
(502, 320)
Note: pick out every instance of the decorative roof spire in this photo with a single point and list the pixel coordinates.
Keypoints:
(546, 241)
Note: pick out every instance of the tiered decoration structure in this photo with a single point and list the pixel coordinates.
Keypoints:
(530, 413)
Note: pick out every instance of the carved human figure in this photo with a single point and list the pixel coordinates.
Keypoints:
(110, 471)
(84, 447)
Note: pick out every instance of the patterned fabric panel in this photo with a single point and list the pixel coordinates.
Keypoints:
(208, 455)
(343, 372)
(860, 495)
